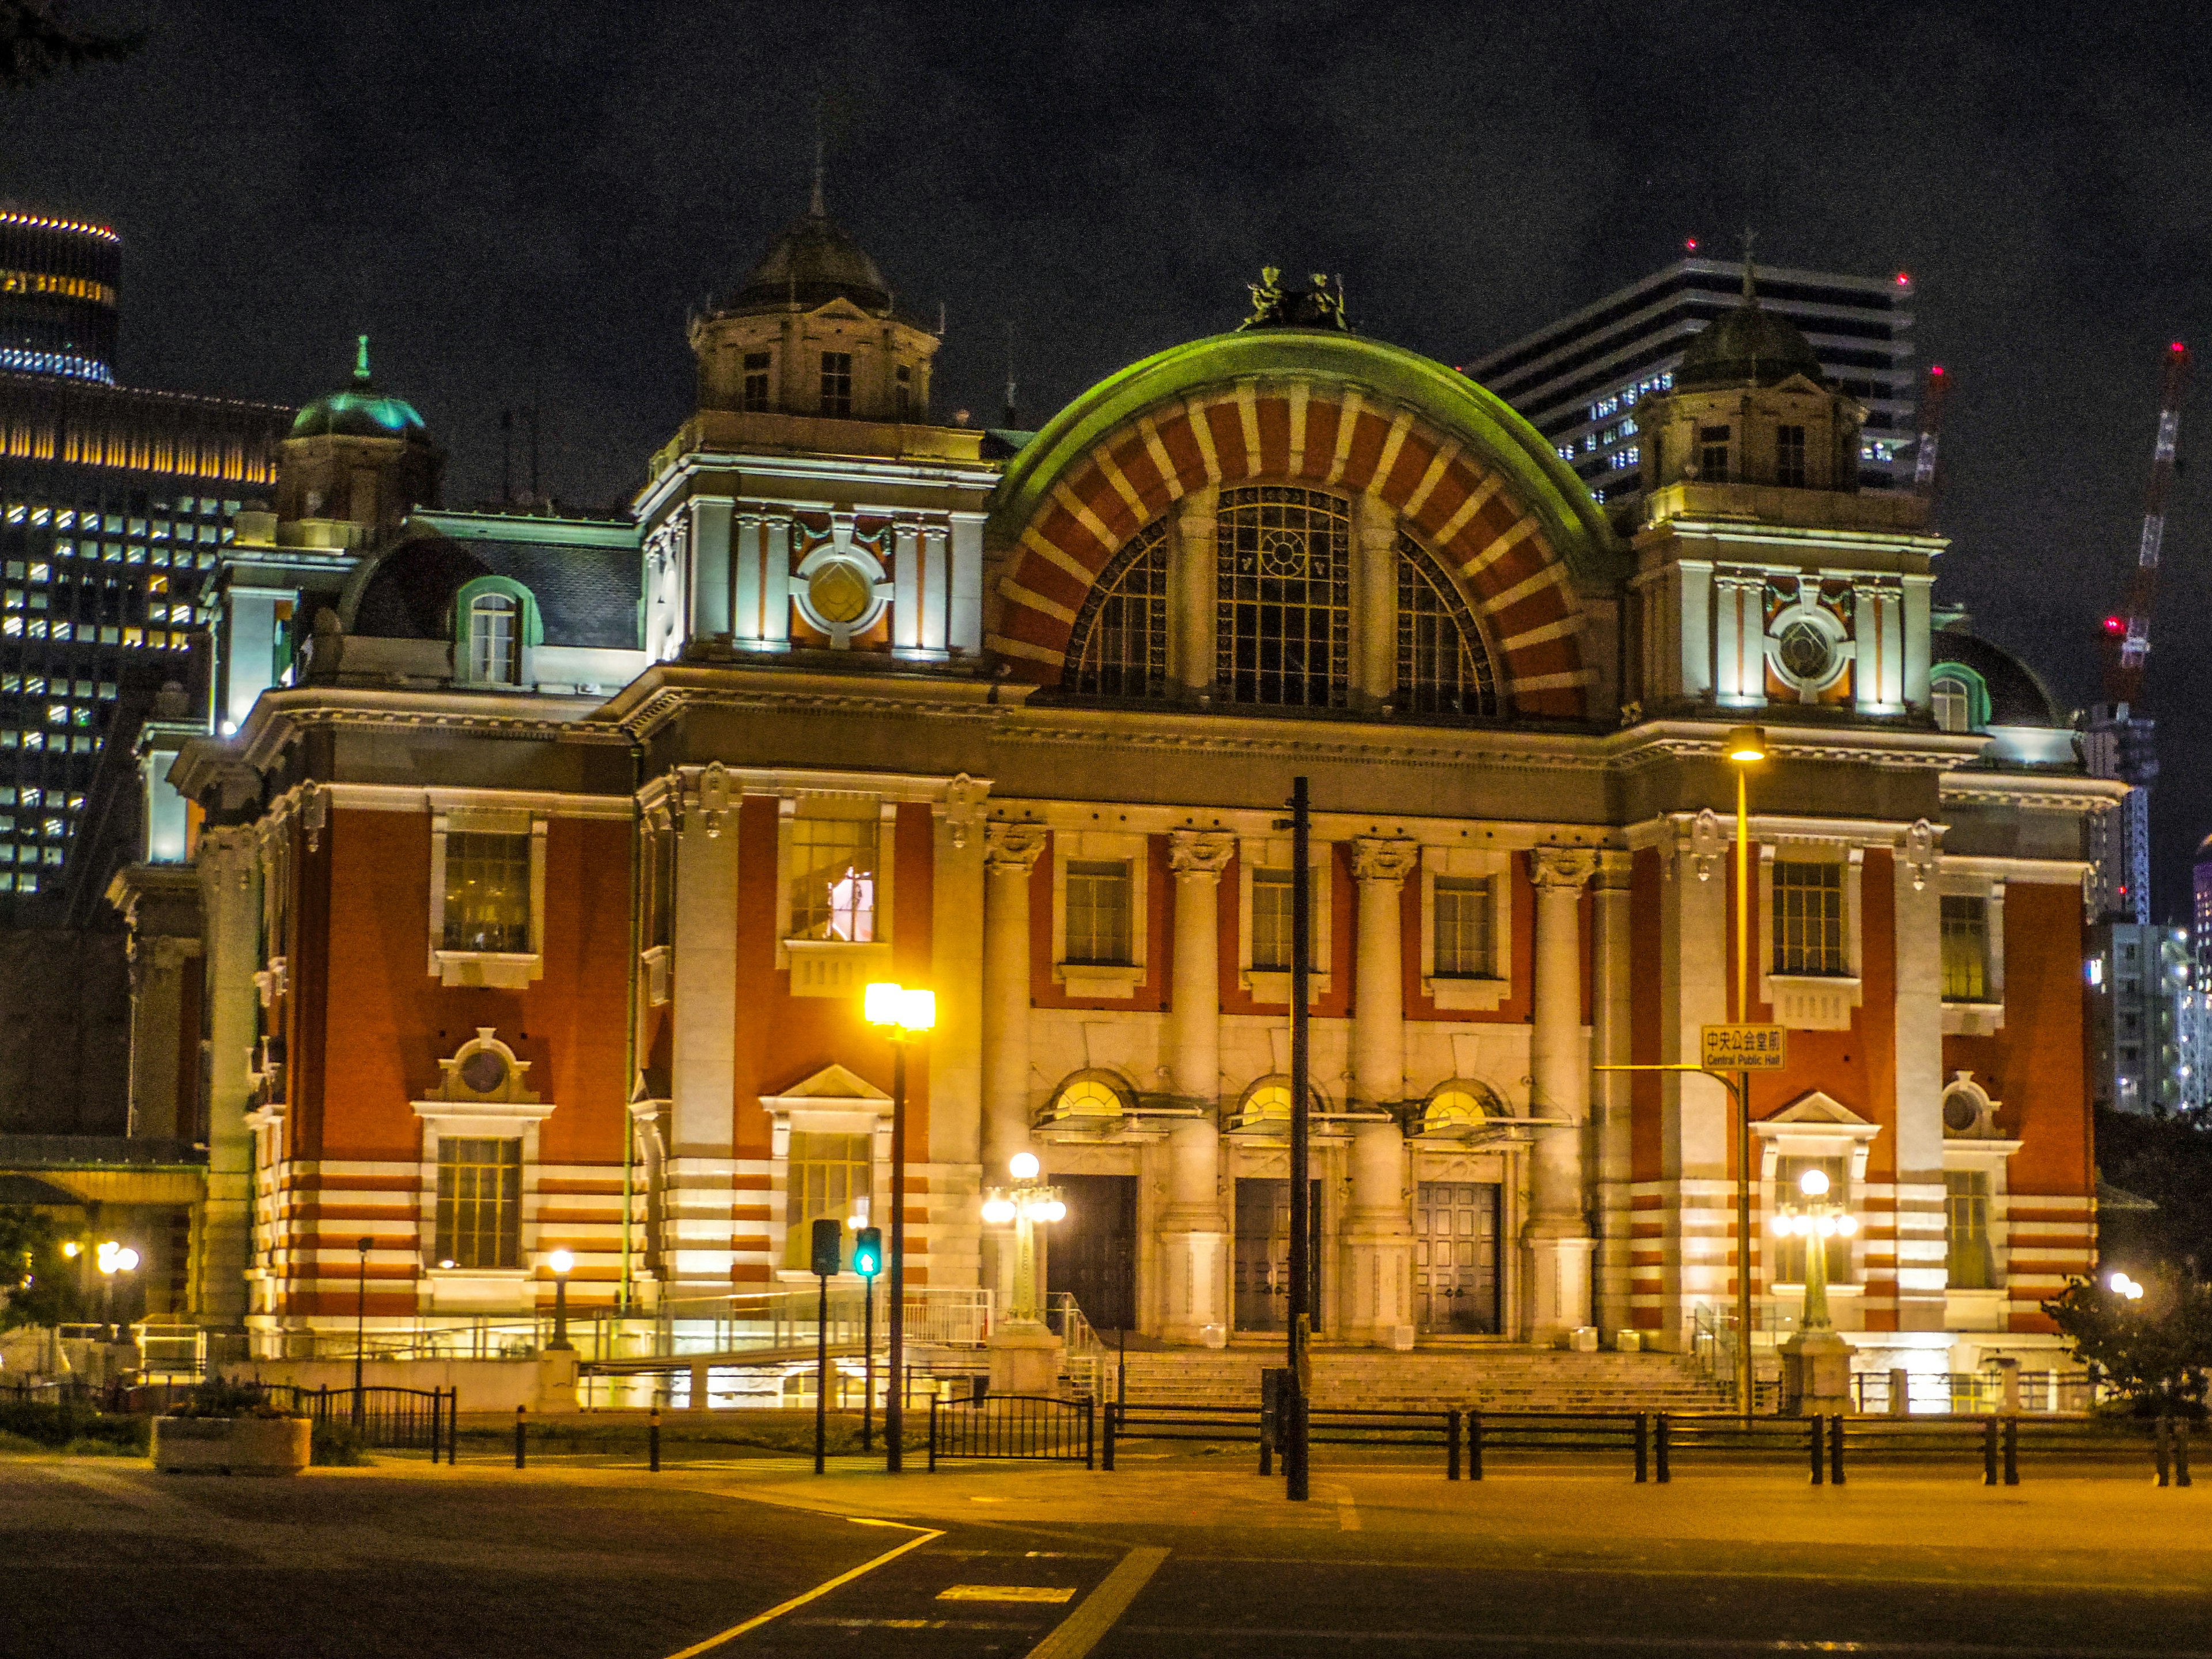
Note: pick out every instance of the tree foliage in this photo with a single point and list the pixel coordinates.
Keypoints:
(2155, 1351)
(39, 1282)
(36, 42)
(2168, 1161)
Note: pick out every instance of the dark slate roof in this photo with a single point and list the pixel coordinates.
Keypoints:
(1748, 346)
(812, 263)
(2017, 697)
(586, 596)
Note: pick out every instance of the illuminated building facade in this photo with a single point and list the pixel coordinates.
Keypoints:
(60, 280)
(535, 905)
(1578, 380)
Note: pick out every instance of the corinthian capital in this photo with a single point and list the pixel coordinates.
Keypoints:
(1383, 858)
(1013, 845)
(1566, 867)
(1199, 852)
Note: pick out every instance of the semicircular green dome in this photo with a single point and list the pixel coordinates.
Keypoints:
(358, 410)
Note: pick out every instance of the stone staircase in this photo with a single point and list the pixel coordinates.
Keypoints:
(1502, 1379)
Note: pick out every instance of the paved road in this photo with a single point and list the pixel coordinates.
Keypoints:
(104, 1559)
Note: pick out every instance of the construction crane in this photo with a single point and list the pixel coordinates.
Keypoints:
(1926, 478)
(2131, 633)
(2119, 739)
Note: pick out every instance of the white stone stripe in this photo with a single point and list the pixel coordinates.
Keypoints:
(1545, 576)
(1567, 682)
(1079, 510)
(1201, 432)
(1500, 545)
(1550, 631)
(1347, 423)
(1158, 451)
(1438, 466)
(1110, 470)
(1463, 515)
(1247, 412)
(1387, 463)
(1301, 395)
(1013, 648)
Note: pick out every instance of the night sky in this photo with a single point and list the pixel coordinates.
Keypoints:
(520, 202)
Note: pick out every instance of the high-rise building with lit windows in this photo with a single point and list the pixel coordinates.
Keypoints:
(1578, 380)
(114, 503)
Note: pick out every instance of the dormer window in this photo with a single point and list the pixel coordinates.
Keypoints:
(1789, 457)
(494, 640)
(1953, 704)
(903, 393)
(1713, 453)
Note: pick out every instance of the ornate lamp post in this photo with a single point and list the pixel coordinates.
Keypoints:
(1025, 1353)
(1816, 1363)
(904, 1013)
(563, 1264)
(113, 1258)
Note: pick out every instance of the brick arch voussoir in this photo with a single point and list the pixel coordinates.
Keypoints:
(1330, 437)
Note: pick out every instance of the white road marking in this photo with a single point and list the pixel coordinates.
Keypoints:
(1084, 1628)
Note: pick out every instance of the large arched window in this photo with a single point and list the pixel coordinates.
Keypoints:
(1283, 587)
(1122, 632)
(1443, 667)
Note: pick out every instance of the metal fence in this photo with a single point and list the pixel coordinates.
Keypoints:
(1971, 1393)
(1023, 1427)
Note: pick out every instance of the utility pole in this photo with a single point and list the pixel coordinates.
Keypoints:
(1294, 1402)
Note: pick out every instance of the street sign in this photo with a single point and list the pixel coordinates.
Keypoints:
(1741, 1049)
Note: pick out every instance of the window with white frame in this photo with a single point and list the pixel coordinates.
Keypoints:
(479, 1222)
(1808, 918)
(1272, 934)
(1099, 912)
(1265, 935)
(1953, 705)
(825, 1177)
(1966, 926)
(487, 896)
(1462, 924)
(494, 640)
(833, 877)
(1969, 1250)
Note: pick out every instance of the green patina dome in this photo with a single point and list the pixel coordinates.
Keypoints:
(1749, 346)
(358, 410)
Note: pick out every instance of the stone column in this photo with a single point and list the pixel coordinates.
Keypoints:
(1377, 1296)
(698, 1246)
(1375, 602)
(955, 1047)
(1191, 574)
(906, 585)
(1197, 858)
(1923, 1271)
(775, 583)
(1609, 1142)
(1557, 1245)
(1194, 1234)
(709, 587)
(1379, 866)
(745, 579)
(231, 902)
(1010, 853)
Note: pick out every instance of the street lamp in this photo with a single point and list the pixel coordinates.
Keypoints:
(113, 1258)
(904, 1013)
(359, 1321)
(1745, 747)
(563, 1264)
(1818, 1360)
(2120, 1284)
(1027, 1203)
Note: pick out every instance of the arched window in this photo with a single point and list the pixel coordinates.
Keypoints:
(1443, 667)
(1460, 1107)
(1283, 588)
(1954, 703)
(494, 640)
(1095, 1098)
(1266, 1104)
(1120, 635)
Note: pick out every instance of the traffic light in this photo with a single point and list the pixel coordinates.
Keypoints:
(868, 1252)
(827, 1235)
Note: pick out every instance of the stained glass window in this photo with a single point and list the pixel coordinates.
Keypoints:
(1120, 635)
(1443, 667)
(1282, 629)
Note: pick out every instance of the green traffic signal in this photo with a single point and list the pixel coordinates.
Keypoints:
(868, 1252)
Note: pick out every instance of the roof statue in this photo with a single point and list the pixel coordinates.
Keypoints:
(1321, 306)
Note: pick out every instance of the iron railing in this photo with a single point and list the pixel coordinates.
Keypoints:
(1023, 1427)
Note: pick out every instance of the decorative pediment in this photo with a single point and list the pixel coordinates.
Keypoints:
(1816, 1107)
(482, 1088)
(834, 1088)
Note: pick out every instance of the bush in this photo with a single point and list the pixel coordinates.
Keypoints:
(2154, 1350)
(220, 1397)
(56, 1427)
(334, 1445)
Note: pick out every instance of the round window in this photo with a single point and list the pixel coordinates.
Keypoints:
(1960, 1112)
(484, 1071)
(840, 592)
(1805, 651)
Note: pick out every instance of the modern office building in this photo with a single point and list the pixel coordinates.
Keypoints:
(1578, 380)
(113, 504)
(530, 913)
(2141, 1032)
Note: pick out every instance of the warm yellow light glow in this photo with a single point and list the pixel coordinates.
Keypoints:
(1814, 1183)
(997, 1211)
(1781, 1225)
(115, 1258)
(71, 1249)
(1052, 1209)
(562, 1262)
(1025, 1166)
(2121, 1285)
(1847, 1224)
(1745, 745)
(906, 1007)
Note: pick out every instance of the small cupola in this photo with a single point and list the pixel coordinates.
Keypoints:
(814, 330)
(356, 460)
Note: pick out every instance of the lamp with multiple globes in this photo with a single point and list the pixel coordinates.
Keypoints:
(1030, 1201)
(2121, 1285)
(113, 1257)
(1815, 1219)
(563, 1263)
(905, 1012)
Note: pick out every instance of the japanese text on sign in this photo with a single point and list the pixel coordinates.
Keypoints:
(1741, 1048)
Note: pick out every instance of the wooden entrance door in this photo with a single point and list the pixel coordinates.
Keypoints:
(1456, 1258)
(1263, 1261)
(1092, 1254)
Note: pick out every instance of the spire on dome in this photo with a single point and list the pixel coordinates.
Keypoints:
(361, 360)
(1750, 291)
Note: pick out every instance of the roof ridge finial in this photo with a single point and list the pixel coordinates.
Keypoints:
(361, 359)
(1750, 289)
(816, 208)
